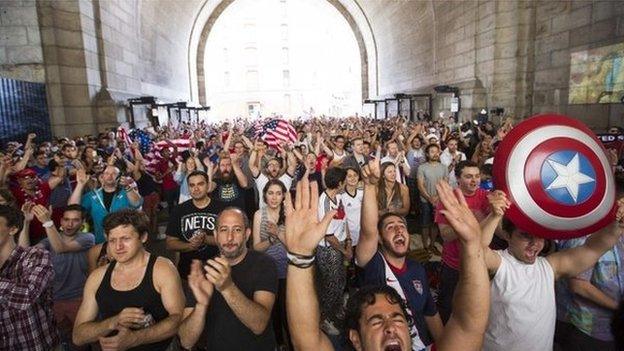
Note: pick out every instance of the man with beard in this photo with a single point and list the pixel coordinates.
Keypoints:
(136, 301)
(523, 310)
(388, 264)
(377, 317)
(398, 158)
(428, 175)
(228, 188)
(190, 227)
(234, 293)
(273, 170)
(116, 194)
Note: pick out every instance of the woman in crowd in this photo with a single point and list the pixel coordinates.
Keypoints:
(190, 162)
(393, 196)
(268, 236)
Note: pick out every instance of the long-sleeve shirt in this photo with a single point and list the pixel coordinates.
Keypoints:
(26, 317)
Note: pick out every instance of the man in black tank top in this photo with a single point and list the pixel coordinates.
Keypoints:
(233, 294)
(136, 301)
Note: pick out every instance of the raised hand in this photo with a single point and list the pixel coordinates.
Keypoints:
(458, 214)
(27, 211)
(81, 177)
(498, 202)
(200, 286)
(219, 273)
(303, 229)
(43, 214)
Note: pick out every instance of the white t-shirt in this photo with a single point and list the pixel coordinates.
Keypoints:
(262, 181)
(522, 308)
(336, 226)
(446, 159)
(353, 208)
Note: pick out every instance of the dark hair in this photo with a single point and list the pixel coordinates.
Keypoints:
(53, 165)
(508, 226)
(198, 173)
(382, 197)
(39, 153)
(486, 169)
(7, 195)
(75, 207)
(282, 218)
(13, 216)
(334, 176)
(367, 296)
(429, 147)
(464, 164)
(383, 217)
(354, 169)
(235, 209)
(137, 219)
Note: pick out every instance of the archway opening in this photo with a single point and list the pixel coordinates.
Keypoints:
(282, 57)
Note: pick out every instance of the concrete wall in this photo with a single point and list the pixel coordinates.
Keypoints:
(20, 43)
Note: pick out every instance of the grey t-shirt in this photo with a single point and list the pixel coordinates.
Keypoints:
(70, 268)
(432, 172)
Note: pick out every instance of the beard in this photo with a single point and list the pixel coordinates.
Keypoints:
(388, 247)
(233, 254)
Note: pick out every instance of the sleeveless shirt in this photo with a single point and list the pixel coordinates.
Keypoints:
(111, 302)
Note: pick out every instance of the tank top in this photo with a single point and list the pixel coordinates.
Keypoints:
(111, 302)
(522, 308)
(276, 251)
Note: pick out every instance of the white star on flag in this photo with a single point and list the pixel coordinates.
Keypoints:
(569, 176)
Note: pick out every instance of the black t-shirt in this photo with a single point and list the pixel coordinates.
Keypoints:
(185, 220)
(229, 193)
(146, 185)
(223, 330)
(108, 198)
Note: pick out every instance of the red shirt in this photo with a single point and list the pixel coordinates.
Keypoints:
(480, 206)
(168, 183)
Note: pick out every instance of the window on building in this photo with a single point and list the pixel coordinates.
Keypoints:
(226, 79)
(251, 56)
(284, 31)
(286, 78)
(252, 80)
(285, 56)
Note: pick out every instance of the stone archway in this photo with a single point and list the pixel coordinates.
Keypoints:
(349, 9)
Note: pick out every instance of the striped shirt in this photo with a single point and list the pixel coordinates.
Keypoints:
(26, 317)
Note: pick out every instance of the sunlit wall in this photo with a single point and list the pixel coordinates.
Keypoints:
(282, 57)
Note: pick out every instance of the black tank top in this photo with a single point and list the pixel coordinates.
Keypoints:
(111, 302)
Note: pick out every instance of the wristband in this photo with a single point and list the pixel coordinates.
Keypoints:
(47, 224)
(300, 261)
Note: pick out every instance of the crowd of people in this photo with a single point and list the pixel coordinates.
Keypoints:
(327, 240)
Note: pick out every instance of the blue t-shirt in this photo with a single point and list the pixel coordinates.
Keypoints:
(413, 280)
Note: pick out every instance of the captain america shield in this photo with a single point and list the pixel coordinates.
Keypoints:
(557, 176)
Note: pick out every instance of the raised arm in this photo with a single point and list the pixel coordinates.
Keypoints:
(303, 233)
(369, 236)
(465, 328)
(81, 181)
(254, 163)
(238, 171)
(56, 242)
(569, 263)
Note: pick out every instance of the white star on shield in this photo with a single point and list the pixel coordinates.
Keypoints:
(569, 176)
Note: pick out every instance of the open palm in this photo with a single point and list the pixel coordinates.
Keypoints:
(457, 213)
(303, 229)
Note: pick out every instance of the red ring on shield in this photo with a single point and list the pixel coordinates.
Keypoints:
(533, 179)
(534, 210)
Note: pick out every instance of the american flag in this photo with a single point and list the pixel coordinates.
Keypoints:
(278, 130)
(152, 157)
(123, 135)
